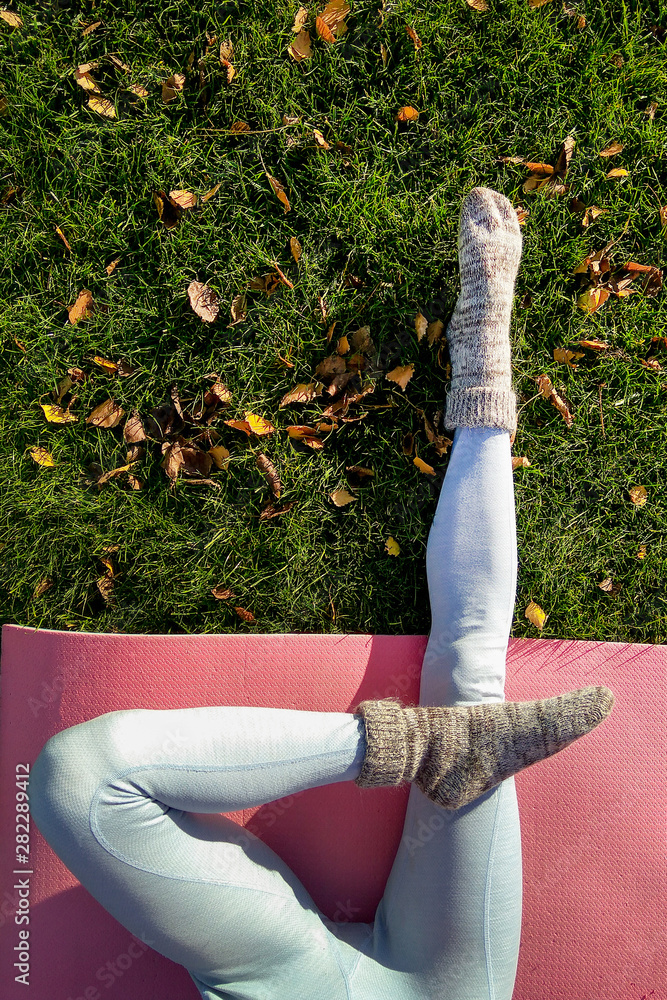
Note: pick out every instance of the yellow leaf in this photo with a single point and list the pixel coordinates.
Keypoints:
(56, 414)
(593, 345)
(638, 495)
(301, 47)
(641, 554)
(591, 300)
(88, 30)
(85, 80)
(300, 20)
(295, 248)
(320, 140)
(220, 456)
(616, 147)
(591, 214)
(420, 325)
(535, 615)
(407, 114)
(401, 375)
(209, 194)
(279, 192)
(537, 3)
(520, 462)
(184, 199)
(616, 173)
(138, 89)
(110, 268)
(82, 308)
(423, 466)
(42, 456)
(392, 547)
(258, 425)
(107, 414)
(10, 18)
(342, 497)
(109, 366)
(102, 107)
(480, 5)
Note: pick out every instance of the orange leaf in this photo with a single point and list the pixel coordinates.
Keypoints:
(279, 192)
(423, 466)
(407, 114)
(82, 308)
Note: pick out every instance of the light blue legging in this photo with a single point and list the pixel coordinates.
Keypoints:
(131, 800)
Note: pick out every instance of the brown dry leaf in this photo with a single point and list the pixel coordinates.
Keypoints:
(591, 214)
(63, 237)
(616, 173)
(279, 192)
(56, 415)
(617, 60)
(434, 332)
(88, 30)
(651, 110)
(331, 330)
(407, 114)
(609, 587)
(547, 390)
(105, 479)
(295, 248)
(615, 147)
(408, 444)
(638, 495)
(300, 20)
(107, 414)
(42, 587)
(663, 216)
(522, 214)
(82, 308)
(285, 280)
(42, 457)
(118, 63)
(12, 19)
(423, 466)
(320, 140)
(138, 89)
(270, 510)
(535, 615)
(330, 24)
(101, 106)
(412, 34)
(571, 12)
(401, 375)
(245, 615)
(172, 87)
(110, 268)
(421, 323)
(301, 393)
(301, 47)
(266, 466)
(253, 424)
(591, 300)
(220, 456)
(209, 194)
(184, 199)
(392, 547)
(593, 345)
(222, 593)
(480, 5)
(358, 476)
(109, 366)
(133, 432)
(239, 128)
(342, 497)
(239, 309)
(84, 79)
(641, 554)
(361, 340)
(577, 205)
(309, 436)
(343, 346)
(520, 462)
(231, 72)
(267, 283)
(204, 301)
(566, 357)
(538, 3)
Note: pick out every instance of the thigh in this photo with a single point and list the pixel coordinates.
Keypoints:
(197, 888)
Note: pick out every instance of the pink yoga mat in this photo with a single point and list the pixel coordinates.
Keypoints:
(592, 818)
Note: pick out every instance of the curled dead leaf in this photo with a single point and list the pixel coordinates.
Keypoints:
(172, 87)
(301, 393)
(300, 19)
(238, 309)
(609, 587)
(421, 324)
(423, 466)
(184, 199)
(245, 615)
(413, 36)
(279, 192)
(535, 615)
(567, 357)
(480, 5)
(295, 248)
(266, 466)
(520, 462)
(591, 300)
(204, 301)
(12, 19)
(222, 593)
(591, 214)
(548, 392)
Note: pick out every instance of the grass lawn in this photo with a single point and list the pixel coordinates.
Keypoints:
(377, 223)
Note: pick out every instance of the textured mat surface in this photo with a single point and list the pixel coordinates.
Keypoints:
(592, 818)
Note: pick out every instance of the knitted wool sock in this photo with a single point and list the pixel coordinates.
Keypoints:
(481, 393)
(456, 754)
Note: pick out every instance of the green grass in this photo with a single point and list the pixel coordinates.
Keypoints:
(514, 81)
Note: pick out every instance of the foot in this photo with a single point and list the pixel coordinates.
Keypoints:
(478, 333)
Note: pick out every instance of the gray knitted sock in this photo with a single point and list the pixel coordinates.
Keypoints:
(481, 393)
(456, 754)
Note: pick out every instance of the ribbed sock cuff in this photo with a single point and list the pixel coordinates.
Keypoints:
(481, 406)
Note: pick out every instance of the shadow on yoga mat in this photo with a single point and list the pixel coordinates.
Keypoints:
(592, 819)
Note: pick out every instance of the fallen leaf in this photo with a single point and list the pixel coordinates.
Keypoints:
(118, 63)
(133, 431)
(566, 357)
(107, 414)
(361, 340)
(279, 192)
(520, 462)
(252, 424)
(548, 392)
(82, 308)
(42, 457)
(616, 173)
(184, 199)
(238, 309)
(591, 214)
(423, 466)
(168, 212)
(101, 106)
(56, 414)
(84, 79)
(593, 345)
(285, 280)
(663, 216)
(301, 47)
(209, 194)
(63, 237)
(535, 615)
(320, 140)
(330, 24)
(109, 366)
(591, 300)
(358, 476)
(384, 52)
(301, 393)
(204, 301)
(638, 495)
(615, 147)
(231, 71)
(407, 114)
(226, 50)
(480, 5)
(434, 332)
(88, 30)
(245, 615)
(342, 497)
(651, 110)
(300, 20)
(392, 547)
(343, 346)
(421, 324)
(239, 128)
(271, 510)
(222, 593)
(267, 283)
(42, 587)
(172, 87)
(138, 89)
(414, 37)
(220, 456)
(401, 375)
(641, 554)
(617, 60)
(105, 479)
(522, 214)
(408, 444)
(295, 248)
(266, 466)
(12, 19)
(609, 587)
(309, 436)
(110, 268)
